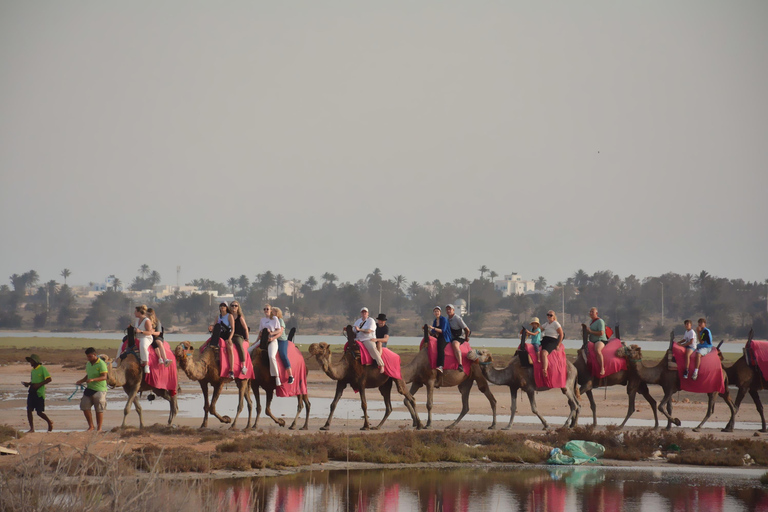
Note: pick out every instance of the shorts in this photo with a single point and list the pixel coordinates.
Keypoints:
(35, 403)
(98, 401)
(549, 344)
(703, 350)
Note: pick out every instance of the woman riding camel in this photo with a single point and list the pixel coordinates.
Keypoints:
(227, 321)
(157, 337)
(240, 335)
(553, 337)
(272, 325)
(596, 331)
(365, 332)
(144, 330)
(282, 343)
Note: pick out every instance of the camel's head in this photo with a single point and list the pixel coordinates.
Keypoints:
(426, 331)
(183, 349)
(584, 334)
(319, 350)
(105, 358)
(480, 355)
(350, 333)
(630, 352)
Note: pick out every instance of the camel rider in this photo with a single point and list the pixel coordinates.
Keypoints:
(704, 345)
(459, 330)
(365, 332)
(597, 336)
(441, 330)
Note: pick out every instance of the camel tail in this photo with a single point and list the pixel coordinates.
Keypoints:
(576, 392)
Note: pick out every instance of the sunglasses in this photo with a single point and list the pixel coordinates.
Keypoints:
(548, 314)
(234, 306)
(266, 309)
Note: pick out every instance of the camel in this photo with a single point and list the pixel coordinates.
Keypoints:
(129, 376)
(349, 372)
(206, 371)
(262, 379)
(419, 372)
(587, 382)
(747, 378)
(517, 376)
(669, 380)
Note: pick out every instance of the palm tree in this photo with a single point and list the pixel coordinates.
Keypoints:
(311, 282)
(541, 283)
(400, 282)
(482, 271)
(154, 277)
(116, 283)
(65, 274)
(328, 278)
(279, 282)
(232, 282)
(243, 282)
(580, 278)
(492, 275)
(31, 279)
(144, 270)
(699, 280)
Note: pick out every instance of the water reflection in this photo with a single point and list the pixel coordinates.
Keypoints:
(475, 489)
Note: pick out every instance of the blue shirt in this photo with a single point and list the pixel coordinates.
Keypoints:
(442, 324)
(705, 338)
(536, 338)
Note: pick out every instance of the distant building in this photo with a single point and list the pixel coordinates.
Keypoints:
(461, 306)
(513, 284)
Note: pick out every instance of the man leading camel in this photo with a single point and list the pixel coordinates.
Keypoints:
(96, 392)
(365, 332)
(597, 336)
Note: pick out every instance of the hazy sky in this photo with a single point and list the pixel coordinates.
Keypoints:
(423, 138)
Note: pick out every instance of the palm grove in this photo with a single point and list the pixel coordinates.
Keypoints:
(733, 306)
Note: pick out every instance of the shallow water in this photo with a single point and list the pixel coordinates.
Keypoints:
(539, 488)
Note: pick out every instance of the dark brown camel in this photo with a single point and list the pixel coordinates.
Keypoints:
(669, 380)
(206, 371)
(349, 372)
(262, 379)
(587, 382)
(519, 375)
(129, 376)
(748, 379)
(419, 372)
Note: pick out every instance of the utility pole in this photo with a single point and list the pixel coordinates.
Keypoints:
(563, 304)
(178, 273)
(469, 298)
(379, 298)
(662, 304)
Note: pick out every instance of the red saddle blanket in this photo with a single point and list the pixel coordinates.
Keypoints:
(450, 362)
(299, 369)
(224, 359)
(391, 360)
(711, 376)
(556, 369)
(759, 356)
(160, 376)
(612, 362)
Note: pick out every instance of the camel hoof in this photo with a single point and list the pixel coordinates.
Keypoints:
(281, 422)
(492, 427)
(365, 427)
(697, 429)
(506, 428)
(325, 427)
(727, 429)
(764, 430)
(374, 428)
(677, 422)
(304, 428)
(226, 419)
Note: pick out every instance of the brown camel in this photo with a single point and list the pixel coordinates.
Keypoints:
(748, 379)
(419, 372)
(669, 380)
(349, 372)
(519, 375)
(205, 370)
(262, 379)
(129, 376)
(587, 382)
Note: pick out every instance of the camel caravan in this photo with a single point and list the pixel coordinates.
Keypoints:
(445, 359)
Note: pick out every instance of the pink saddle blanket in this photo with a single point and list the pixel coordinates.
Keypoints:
(450, 362)
(556, 369)
(224, 358)
(759, 356)
(299, 369)
(613, 363)
(160, 376)
(711, 376)
(391, 360)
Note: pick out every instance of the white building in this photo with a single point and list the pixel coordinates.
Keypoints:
(513, 284)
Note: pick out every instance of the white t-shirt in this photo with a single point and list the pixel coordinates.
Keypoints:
(270, 324)
(690, 335)
(368, 324)
(550, 329)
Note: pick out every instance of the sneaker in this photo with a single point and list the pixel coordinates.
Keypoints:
(167, 362)
(685, 374)
(440, 369)
(114, 364)
(461, 367)
(231, 375)
(146, 368)
(278, 383)
(290, 379)
(244, 372)
(695, 374)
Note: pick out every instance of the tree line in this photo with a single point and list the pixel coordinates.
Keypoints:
(732, 306)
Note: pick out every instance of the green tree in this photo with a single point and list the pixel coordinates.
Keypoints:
(483, 270)
(232, 282)
(541, 283)
(65, 274)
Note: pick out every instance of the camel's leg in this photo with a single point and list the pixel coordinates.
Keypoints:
(758, 404)
(535, 410)
(164, 393)
(270, 392)
(410, 403)
(666, 403)
(244, 393)
(215, 398)
(307, 405)
(299, 407)
(386, 393)
(255, 388)
(727, 397)
(415, 386)
(631, 394)
(464, 388)
(132, 400)
(512, 408)
(364, 406)
(593, 406)
(430, 401)
(339, 390)
(485, 389)
(710, 410)
(206, 406)
(573, 404)
(643, 389)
